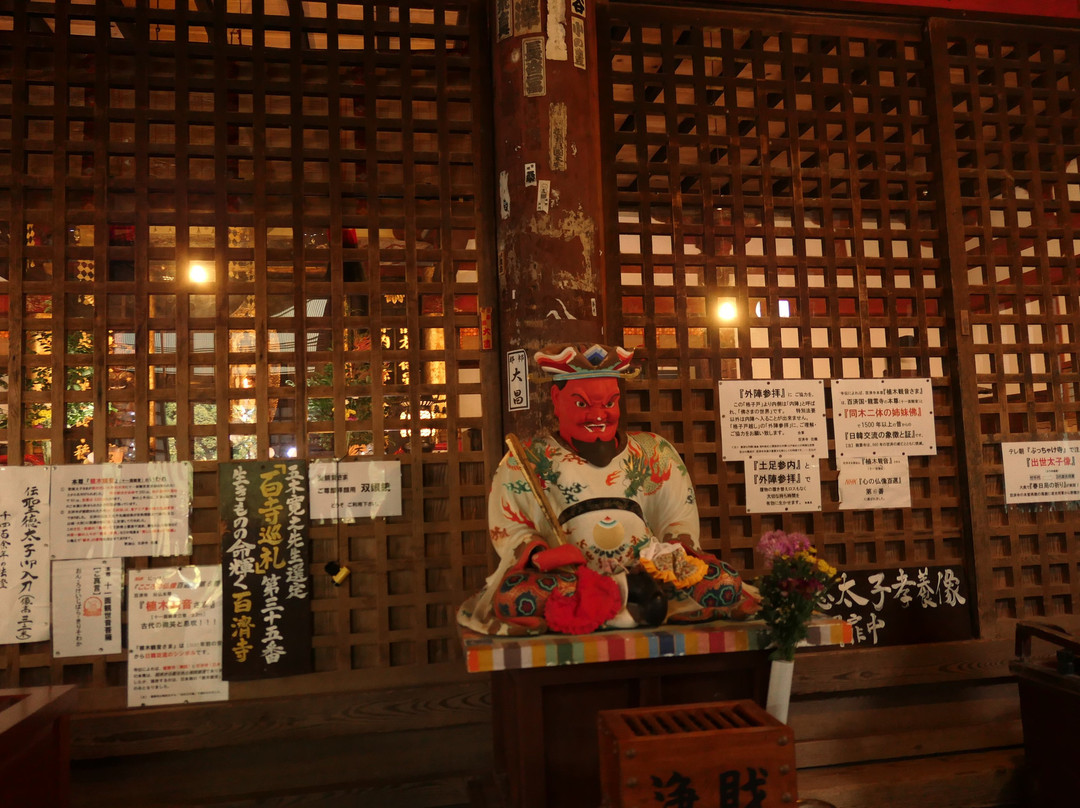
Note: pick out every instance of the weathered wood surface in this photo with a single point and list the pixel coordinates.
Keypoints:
(976, 780)
(372, 764)
(266, 721)
(906, 723)
(847, 669)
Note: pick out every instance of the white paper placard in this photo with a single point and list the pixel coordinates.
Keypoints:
(24, 554)
(779, 485)
(517, 380)
(121, 509)
(86, 607)
(174, 636)
(883, 417)
(873, 482)
(1036, 471)
(355, 490)
(773, 418)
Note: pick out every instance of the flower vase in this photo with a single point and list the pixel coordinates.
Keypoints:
(776, 704)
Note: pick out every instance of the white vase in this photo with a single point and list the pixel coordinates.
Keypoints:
(776, 704)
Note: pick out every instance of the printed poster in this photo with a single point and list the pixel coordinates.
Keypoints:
(266, 550)
(873, 482)
(778, 485)
(24, 554)
(174, 636)
(773, 418)
(86, 607)
(1037, 471)
(883, 417)
(355, 490)
(121, 509)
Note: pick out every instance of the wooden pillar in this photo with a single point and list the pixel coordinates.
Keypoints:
(547, 166)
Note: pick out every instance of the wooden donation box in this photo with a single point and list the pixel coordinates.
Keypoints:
(35, 743)
(723, 754)
(547, 692)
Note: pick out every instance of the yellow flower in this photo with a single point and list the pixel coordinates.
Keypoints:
(823, 565)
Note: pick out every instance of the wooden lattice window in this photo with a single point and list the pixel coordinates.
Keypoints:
(237, 235)
(784, 172)
(1010, 112)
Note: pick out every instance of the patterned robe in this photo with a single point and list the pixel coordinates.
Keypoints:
(610, 512)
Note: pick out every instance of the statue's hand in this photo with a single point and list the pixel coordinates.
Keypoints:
(564, 555)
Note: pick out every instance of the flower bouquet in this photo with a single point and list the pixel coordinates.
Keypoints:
(794, 585)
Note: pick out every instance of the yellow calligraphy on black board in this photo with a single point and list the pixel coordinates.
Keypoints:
(266, 553)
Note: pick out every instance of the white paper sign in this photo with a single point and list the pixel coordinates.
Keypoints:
(174, 636)
(24, 554)
(1036, 471)
(778, 485)
(86, 607)
(873, 482)
(879, 417)
(121, 509)
(517, 380)
(773, 418)
(364, 489)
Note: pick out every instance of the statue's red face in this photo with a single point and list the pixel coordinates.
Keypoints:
(587, 409)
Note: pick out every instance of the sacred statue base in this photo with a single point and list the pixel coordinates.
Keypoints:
(547, 692)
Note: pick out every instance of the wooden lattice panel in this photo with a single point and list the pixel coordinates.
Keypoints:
(325, 174)
(784, 169)
(1010, 112)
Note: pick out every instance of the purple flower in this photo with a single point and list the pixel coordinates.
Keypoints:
(777, 543)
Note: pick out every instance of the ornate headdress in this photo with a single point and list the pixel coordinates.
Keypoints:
(584, 361)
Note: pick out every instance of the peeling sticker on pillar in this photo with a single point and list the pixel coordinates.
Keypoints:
(578, 35)
(557, 136)
(526, 17)
(504, 19)
(530, 175)
(559, 312)
(571, 226)
(504, 194)
(534, 76)
(556, 30)
(543, 195)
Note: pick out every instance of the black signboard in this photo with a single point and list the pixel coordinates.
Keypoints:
(265, 516)
(907, 605)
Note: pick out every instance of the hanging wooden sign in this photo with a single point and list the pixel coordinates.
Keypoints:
(265, 517)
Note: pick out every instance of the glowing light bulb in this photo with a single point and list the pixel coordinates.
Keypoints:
(727, 310)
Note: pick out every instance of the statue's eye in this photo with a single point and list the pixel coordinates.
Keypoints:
(581, 404)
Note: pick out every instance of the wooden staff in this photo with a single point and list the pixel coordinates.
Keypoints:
(518, 452)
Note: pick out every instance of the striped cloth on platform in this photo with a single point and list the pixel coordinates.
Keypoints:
(484, 653)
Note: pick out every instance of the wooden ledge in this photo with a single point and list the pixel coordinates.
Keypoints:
(484, 653)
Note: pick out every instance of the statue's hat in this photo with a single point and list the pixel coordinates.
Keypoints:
(565, 362)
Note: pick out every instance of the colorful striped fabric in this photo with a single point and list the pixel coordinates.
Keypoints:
(484, 653)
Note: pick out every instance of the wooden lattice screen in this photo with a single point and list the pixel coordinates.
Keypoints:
(328, 175)
(1010, 135)
(786, 167)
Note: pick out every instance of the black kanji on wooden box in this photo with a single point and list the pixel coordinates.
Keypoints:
(725, 754)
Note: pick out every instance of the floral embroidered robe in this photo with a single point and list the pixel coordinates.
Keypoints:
(610, 511)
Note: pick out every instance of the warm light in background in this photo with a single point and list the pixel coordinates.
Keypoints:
(197, 273)
(726, 310)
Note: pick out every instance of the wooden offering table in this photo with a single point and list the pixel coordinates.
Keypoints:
(547, 691)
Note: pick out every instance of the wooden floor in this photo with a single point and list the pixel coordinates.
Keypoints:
(975, 780)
